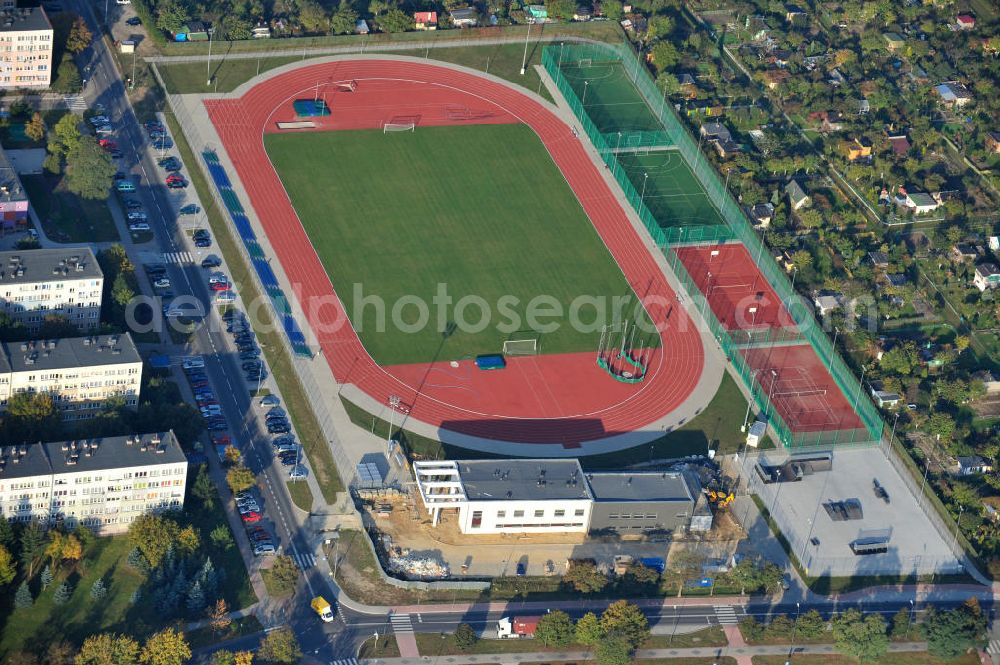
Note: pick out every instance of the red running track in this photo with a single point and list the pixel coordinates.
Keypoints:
(564, 399)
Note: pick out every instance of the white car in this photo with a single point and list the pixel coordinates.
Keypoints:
(98, 120)
(194, 363)
(162, 283)
(136, 216)
(218, 278)
(138, 226)
(225, 297)
(264, 549)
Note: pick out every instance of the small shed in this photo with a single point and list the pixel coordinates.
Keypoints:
(466, 17)
(756, 433)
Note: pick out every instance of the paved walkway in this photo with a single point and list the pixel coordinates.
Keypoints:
(742, 654)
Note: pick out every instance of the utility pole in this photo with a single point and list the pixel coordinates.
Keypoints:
(208, 64)
(524, 59)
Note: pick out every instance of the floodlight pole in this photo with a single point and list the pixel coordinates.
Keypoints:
(524, 59)
(208, 64)
(767, 406)
(561, 46)
(645, 177)
(746, 418)
(583, 102)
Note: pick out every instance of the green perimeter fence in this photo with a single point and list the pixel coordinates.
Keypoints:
(676, 136)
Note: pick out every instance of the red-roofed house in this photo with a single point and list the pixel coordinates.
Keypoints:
(966, 21)
(900, 145)
(425, 20)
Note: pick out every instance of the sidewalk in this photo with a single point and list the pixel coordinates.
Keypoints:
(742, 654)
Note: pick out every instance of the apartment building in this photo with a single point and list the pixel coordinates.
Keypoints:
(25, 47)
(38, 283)
(81, 373)
(101, 483)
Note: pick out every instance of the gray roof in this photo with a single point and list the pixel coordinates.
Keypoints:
(48, 265)
(90, 351)
(795, 191)
(656, 486)
(10, 184)
(24, 18)
(110, 452)
(523, 480)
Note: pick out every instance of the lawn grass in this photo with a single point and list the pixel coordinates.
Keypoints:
(481, 210)
(65, 216)
(296, 401)
(301, 494)
(274, 590)
(899, 658)
(227, 75)
(45, 622)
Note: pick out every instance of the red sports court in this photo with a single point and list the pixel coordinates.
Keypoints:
(801, 390)
(737, 292)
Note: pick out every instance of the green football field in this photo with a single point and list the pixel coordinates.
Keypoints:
(481, 210)
(609, 97)
(671, 191)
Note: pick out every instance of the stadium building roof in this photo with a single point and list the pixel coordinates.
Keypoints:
(520, 480)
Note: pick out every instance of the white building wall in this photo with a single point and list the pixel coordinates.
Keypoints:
(77, 390)
(77, 300)
(548, 516)
(104, 501)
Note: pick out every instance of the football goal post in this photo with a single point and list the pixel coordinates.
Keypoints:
(398, 127)
(585, 62)
(520, 347)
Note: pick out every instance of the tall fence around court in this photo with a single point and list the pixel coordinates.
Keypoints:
(675, 136)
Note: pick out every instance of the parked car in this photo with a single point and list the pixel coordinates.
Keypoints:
(162, 283)
(224, 297)
(211, 262)
(264, 549)
(194, 362)
(125, 186)
(104, 130)
(132, 204)
(220, 286)
(96, 120)
(250, 355)
(169, 163)
(202, 234)
(189, 209)
(177, 184)
(133, 21)
(136, 216)
(138, 226)
(270, 400)
(153, 125)
(203, 243)
(251, 518)
(297, 472)
(278, 428)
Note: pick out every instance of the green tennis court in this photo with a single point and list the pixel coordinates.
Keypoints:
(671, 191)
(609, 96)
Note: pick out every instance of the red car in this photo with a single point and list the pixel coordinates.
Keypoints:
(222, 440)
(220, 286)
(251, 518)
(173, 177)
(107, 143)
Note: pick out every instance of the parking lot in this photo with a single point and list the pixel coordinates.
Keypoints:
(823, 544)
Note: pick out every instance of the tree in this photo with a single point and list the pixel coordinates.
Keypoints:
(240, 479)
(901, 623)
(46, 577)
(665, 55)
(167, 647)
(810, 625)
(62, 594)
(35, 129)
(108, 649)
(613, 10)
(223, 657)
(67, 78)
(860, 637)
(203, 488)
(23, 598)
(659, 26)
(89, 170)
(395, 20)
(8, 571)
(196, 598)
(121, 291)
(284, 574)
(99, 590)
(941, 425)
(810, 219)
(900, 359)
(465, 637)
(221, 537)
(951, 633)
(218, 616)
(59, 652)
(746, 574)
(21, 658)
(31, 417)
(613, 651)
(232, 456)
(7, 537)
(588, 630)
(171, 15)
(153, 535)
(280, 646)
(188, 540)
(584, 576)
(313, 17)
(236, 28)
(243, 658)
(65, 135)
(79, 36)
(555, 629)
(561, 9)
(801, 259)
(625, 620)
(32, 539)
(343, 20)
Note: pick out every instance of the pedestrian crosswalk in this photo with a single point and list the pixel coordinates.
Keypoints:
(177, 257)
(726, 615)
(994, 647)
(75, 102)
(304, 560)
(346, 661)
(401, 623)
